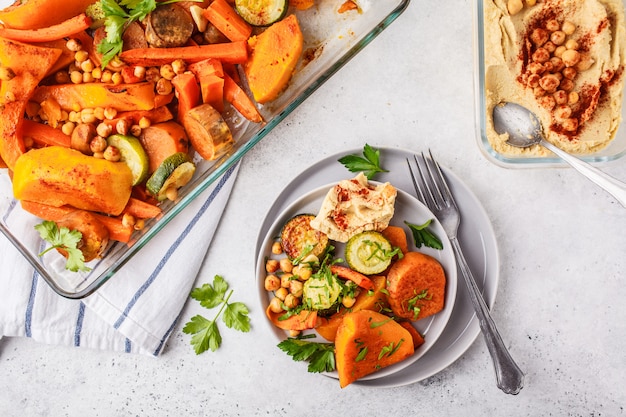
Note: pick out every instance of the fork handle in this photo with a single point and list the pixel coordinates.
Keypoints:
(509, 376)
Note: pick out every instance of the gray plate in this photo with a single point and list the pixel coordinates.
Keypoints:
(476, 236)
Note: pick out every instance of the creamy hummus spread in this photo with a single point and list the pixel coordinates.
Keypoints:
(354, 206)
(563, 60)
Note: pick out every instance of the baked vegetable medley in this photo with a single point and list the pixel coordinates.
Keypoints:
(106, 106)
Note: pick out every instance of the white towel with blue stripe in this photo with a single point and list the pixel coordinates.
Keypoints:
(138, 308)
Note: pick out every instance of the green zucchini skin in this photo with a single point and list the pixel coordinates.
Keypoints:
(297, 236)
(365, 253)
(262, 12)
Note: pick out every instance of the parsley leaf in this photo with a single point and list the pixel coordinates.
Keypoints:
(369, 164)
(423, 236)
(321, 356)
(65, 239)
(206, 334)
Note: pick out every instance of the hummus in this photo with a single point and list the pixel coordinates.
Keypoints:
(354, 206)
(563, 60)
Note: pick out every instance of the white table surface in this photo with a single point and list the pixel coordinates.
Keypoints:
(560, 303)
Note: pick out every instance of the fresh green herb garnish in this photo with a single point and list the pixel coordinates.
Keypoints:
(206, 334)
(118, 14)
(389, 349)
(423, 236)
(66, 239)
(413, 301)
(369, 164)
(321, 356)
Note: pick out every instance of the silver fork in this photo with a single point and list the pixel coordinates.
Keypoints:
(432, 190)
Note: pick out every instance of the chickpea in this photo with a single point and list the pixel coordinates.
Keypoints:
(570, 57)
(348, 301)
(303, 272)
(272, 283)
(167, 72)
(139, 71)
(539, 92)
(547, 102)
(557, 63)
(550, 47)
(572, 44)
(549, 83)
(87, 77)
(296, 288)
(153, 74)
(285, 279)
(99, 113)
(68, 128)
(87, 116)
(96, 73)
(281, 293)
(128, 220)
(98, 144)
(566, 84)
(514, 6)
(291, 301)
(535, 68)
(558, 37)
(560, 96)
(563, 111)
(286, 265)
(569, 72)
(116, 78)
(271, 266)
(76, 77)
(110, 113)
(135, 130)
(144, 122)
(276, 305)
(558, 52)
(570, 124)
(539, 36)
(164, 86)
(74, 45)
(277, 248)
(568, 27)
(111, 153)
(572, 97)
(106, 76)
(541, 55)
(81, 56)
(178, 66)
(122, 126)
(553, 25)
(530, 3)
(585, 62)
(87, 65)
(533, 80)
(294, 333)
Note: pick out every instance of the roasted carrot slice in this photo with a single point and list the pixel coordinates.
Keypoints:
(357, 277)
(141, 209)
(66, 28)
(303, 320)
(231, 52)
(240, 100)
(45, 134)
(224, 17)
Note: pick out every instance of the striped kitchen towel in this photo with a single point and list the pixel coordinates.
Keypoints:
(138, 308)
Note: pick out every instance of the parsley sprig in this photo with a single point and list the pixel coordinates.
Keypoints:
(206, 334)
(423, 236)
(321, 356)
(369, 163)
(65, 239)
(118, 14)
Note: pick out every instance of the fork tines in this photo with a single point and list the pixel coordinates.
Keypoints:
(430, 185)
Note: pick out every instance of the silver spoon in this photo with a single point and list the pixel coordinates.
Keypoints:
(524, 129)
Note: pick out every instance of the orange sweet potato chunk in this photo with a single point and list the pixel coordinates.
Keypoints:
(368, 341)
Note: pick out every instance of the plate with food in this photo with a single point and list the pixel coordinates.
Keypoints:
(564, 61)
(126, 111)
(306, 205)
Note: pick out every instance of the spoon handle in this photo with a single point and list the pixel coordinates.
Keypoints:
(509, 376)
(613, 186)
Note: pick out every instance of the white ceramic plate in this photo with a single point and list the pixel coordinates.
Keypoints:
(475, 235)
(407, 208)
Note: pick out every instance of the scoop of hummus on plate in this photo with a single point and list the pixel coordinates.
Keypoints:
(354, 206)
(562, 59)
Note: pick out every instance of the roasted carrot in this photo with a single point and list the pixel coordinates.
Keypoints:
(141, 209)
(161, 100)
(240, 100)
(210, 75)
(233, 52)
(418, 339)
(210, 66)
(224, 17)
(37, 14)
(44, 134)
(66, 28)
(301, 321)
(348, 273)
(187, 91)
(117, 230)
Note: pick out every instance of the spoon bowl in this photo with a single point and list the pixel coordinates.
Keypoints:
(524, 130)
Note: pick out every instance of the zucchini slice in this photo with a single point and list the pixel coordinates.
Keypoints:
(321, 292)
(368, 253)
(262, 12)
(299, 239)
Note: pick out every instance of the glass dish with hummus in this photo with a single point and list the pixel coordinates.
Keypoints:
(562, 59)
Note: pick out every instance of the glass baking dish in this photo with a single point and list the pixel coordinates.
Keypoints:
(615, 150)
(330, 40)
